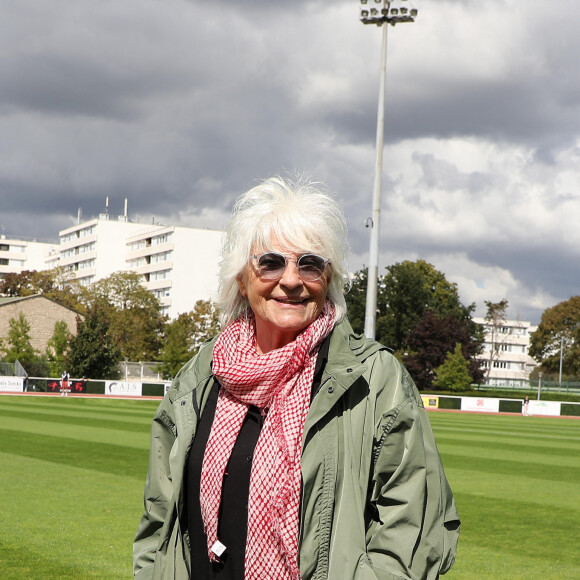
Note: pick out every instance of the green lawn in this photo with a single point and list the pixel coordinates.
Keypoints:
(72, 473)
(517, 485)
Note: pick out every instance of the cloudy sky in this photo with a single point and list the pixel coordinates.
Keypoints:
(179, 106)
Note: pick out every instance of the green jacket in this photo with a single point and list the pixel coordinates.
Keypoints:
(376, 503)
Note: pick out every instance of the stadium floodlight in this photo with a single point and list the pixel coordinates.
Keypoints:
(381, 13)
(390, 11)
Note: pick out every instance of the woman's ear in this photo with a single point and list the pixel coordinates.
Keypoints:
(328, 274)
(241, 284)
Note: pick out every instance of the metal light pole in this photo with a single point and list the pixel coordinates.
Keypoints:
(561, 356)
(381, 13)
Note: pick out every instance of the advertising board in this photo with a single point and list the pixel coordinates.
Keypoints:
(123, 388)
(551, 408)
(480, 404)
(430, 401)
(12, 384)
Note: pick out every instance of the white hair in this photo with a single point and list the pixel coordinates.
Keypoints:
(295, 214)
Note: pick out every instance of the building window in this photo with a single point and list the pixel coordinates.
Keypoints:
(86, 264)
(162, 293)
(163, 275)
(86, 281)
(136, 263)
(162, 257)
(133, 246)
(86, 232)
(87, 248)
(4, 262)
(4, 248)
(162, 239)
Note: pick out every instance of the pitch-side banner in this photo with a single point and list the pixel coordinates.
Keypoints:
(430, 401)
(126, 388)
(551, 408)
(12, 384)
(480, 404)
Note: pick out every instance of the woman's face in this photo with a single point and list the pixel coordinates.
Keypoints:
(283, 308)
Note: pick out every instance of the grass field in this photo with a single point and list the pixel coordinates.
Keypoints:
(72, 473)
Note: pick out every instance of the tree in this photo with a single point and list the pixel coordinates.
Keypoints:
(56, 349)
(453, 374)
(495, 319)
(17, 347)
(559, 330)
(92, 352)
(55, 284)
(185, 334)
(432, 339)
(175, 351)
(405, 293)
(356, 300)
(133, 313)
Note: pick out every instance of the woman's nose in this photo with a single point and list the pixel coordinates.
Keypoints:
(291, 278)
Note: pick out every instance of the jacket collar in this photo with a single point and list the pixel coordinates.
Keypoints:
(347, 354)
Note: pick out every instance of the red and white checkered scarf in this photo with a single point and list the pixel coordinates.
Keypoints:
(279, 384)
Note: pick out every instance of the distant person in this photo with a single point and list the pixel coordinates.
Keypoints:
(64, 384)
(289, 447)
(525, 406)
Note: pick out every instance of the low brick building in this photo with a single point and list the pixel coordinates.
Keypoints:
(41, 313)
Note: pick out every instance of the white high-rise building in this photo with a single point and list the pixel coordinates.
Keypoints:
(505, 352)
(18, 255)
(177, 264)
(95, 249)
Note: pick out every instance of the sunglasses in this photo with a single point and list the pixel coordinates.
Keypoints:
(272, 265)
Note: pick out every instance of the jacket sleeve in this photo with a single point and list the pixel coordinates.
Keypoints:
(415, 527)
(158, 494)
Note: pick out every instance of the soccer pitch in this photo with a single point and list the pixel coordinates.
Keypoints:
(72, 472)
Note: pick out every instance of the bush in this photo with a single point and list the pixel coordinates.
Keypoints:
(453, 375)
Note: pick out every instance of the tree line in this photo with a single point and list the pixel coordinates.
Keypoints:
(118, 320)
(420, 317)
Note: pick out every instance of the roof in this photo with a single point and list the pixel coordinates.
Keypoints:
(4, 301)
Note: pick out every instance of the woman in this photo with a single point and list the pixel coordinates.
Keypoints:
(289, 447)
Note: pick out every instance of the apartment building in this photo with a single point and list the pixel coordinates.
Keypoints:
(18, 255)
(505, 356)
(179, 265)
(96, 248)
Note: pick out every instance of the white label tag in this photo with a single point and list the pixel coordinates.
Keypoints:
(218, 548)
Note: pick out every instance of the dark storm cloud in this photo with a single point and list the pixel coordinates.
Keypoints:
(526, 111)
(66, 85)
(179, 106)
(517, 113)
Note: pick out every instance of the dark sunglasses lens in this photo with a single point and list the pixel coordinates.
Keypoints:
(311, 267)
(271, 265)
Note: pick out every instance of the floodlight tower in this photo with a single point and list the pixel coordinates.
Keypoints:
(381, 13)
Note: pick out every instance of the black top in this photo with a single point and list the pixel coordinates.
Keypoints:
(233, 516)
